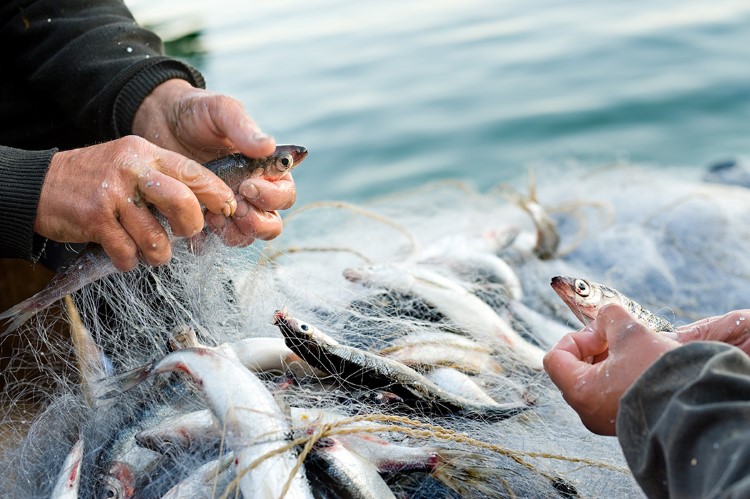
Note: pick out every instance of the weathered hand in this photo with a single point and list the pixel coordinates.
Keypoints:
(204, 125)
(100, 193)
(595, 366)
(732, 327)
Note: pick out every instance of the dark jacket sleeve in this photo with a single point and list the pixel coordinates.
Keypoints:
(684, 426)
(75, 72)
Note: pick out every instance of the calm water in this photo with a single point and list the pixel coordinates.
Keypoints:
(392, 94)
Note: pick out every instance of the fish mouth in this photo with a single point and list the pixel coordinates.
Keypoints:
(562, 284)
(281, 317)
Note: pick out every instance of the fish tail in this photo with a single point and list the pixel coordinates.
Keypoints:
(128, 380)
(85, 269)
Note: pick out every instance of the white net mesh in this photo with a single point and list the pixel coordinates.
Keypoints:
(674, 246)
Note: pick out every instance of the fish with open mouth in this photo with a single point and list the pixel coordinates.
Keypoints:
(93, 263)
(585, 298)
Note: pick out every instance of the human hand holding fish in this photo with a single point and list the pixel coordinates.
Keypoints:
(99, 193)
(593, 367)
(197, 123)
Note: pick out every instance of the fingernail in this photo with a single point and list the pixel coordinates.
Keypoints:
(250, 191)
(229, 207)
(261, 136)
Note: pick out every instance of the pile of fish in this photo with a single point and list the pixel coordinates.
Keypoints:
(392, 350)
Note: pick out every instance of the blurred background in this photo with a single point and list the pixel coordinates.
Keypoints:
(389, 95)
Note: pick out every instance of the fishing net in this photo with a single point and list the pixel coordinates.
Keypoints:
(674, 245)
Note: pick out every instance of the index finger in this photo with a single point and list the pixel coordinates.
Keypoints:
(210, 190)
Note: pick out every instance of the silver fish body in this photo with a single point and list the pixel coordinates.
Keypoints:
(253, 424)
(69, 478)
(207, 482)
(585, 298)
(93, 263)
(359, 369)
(349, 473)
(464, 309)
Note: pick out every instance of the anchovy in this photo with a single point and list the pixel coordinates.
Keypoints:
(454, 381)
(359, 368)
(440, 348)
(207, 482)
(93, 263)
(253, 424)
(585, 298)
(349, 474)
(67, 483)
(464, 309)
(192, 430)
(257, 354)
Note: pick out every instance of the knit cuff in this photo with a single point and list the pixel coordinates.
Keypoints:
(21, 176)
(143, 83)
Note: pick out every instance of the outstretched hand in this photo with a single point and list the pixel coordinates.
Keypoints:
(595, 366)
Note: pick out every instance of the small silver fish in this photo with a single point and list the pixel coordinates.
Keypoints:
(359, 368)
(93, 263)
(205, 482)
(253, 423)
(67, 483)
(585, 298)
(349, 474)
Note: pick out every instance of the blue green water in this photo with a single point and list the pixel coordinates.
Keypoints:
(389, 95)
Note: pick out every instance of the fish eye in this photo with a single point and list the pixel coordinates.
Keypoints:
(286, 162)
(582, 287)
(304, 327)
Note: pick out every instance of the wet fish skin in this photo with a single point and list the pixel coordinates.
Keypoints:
(359, 368)
(585, 298)
(253, 423)
(69, 479)
(213, 477)
(351, 475)
(93, 263)
(463, 309)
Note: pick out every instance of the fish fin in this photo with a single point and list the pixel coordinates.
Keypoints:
(128, 380)
(84, 269)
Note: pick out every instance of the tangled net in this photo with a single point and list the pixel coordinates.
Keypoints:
(676, 246)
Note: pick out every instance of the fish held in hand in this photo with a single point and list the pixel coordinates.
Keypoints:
(585, 298)
(93, 263)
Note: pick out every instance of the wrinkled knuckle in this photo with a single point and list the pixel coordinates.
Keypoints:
(226, 101)
(132, 143)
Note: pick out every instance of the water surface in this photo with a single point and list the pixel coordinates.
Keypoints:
(392, 94)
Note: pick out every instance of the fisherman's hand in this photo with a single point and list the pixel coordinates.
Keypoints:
(200, 124)
(100, 193)
(732, 328)
(595, 366)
